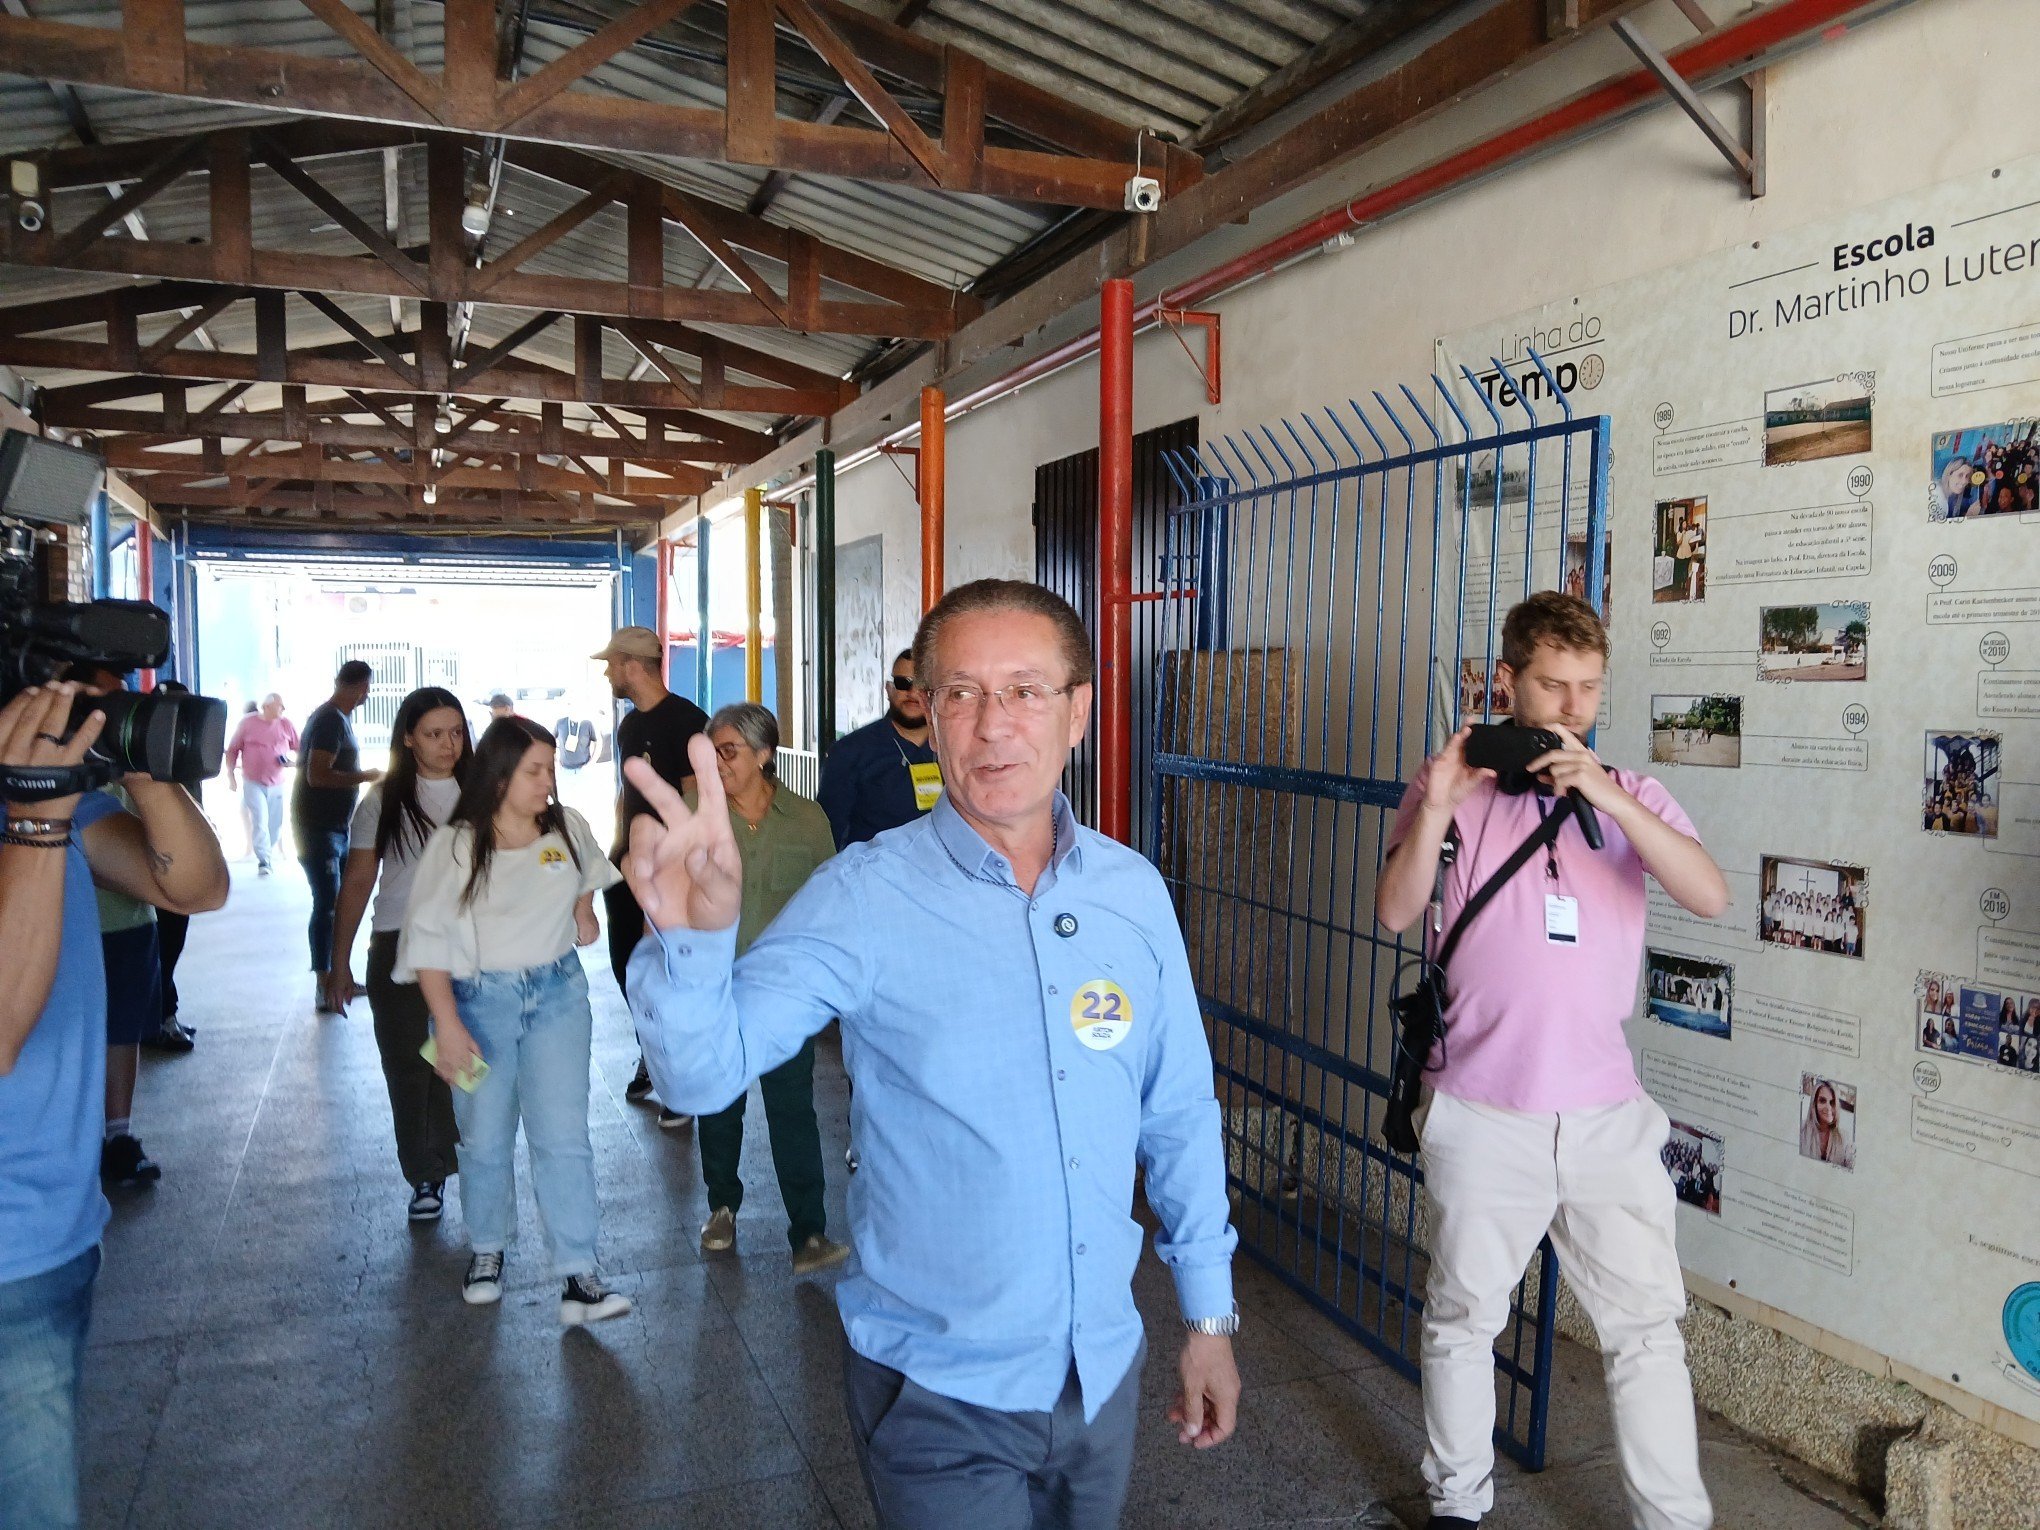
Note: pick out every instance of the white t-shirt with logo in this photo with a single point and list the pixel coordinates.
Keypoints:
(393, 890)
(523, 916)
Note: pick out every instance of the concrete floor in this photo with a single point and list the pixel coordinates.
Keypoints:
(274, 1345)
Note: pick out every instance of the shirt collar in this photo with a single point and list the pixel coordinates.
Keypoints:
(969, 850)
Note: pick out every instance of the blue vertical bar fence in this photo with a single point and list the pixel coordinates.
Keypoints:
(1334, 588)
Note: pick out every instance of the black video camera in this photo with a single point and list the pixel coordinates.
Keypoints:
(1508, 748)
(169, 737)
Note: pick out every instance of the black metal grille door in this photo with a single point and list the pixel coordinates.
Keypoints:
(1066, 561)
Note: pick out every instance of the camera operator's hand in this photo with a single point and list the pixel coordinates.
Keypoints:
(341, 989)
(1577, 768)
(31, 734)
(1451, 779)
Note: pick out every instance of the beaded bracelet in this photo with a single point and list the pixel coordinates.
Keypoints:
(39, 826)
(38, 844)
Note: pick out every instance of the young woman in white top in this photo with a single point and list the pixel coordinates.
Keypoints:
(429, 758)
(503, 894)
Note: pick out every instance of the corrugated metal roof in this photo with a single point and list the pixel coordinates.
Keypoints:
(1165, 64)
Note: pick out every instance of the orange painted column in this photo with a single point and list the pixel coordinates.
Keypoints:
(933, 477)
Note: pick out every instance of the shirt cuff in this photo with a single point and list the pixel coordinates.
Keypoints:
(1203, 1290)
(692, 955)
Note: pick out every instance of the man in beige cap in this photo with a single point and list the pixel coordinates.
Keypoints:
(656, 729)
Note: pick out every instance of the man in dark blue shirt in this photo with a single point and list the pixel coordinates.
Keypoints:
(330, 777)
(884, 774)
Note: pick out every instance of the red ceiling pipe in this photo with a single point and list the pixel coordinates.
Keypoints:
(1744, 41)
(1115, 561)
(931, 476)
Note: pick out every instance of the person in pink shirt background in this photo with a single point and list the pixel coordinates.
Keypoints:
(264, 743)
(1536, 1121)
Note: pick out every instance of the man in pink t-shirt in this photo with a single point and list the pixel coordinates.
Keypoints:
(1536, 1121)
(262, 745)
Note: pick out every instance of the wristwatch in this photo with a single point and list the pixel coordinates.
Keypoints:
(1219, 1327)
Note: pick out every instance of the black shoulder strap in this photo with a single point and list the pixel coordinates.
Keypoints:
(1547, 831)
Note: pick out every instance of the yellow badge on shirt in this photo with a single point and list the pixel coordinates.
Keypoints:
(1101, 1014)
(551, 858)
(927, 785)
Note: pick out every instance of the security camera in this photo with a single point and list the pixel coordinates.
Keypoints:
(24, 179)
(1143, 194)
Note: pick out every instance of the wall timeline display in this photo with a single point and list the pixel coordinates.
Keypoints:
(1841, 687)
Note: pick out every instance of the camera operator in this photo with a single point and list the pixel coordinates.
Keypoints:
(52, 1070)
(1536, 1120)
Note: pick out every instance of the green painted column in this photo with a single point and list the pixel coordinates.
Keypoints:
(825, 600)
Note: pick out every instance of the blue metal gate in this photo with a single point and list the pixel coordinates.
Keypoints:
(1333, 591)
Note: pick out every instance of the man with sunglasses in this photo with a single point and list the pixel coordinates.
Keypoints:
(1021, 1025)
(885, 773)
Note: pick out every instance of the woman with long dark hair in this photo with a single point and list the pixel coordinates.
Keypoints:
(504, 893)
(430, 750)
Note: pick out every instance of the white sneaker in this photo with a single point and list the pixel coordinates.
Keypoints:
(483, 1284)
(584, 1299)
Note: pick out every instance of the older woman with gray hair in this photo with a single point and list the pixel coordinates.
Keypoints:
(781, 838)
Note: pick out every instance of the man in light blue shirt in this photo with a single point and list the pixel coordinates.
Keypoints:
(1021, 1027)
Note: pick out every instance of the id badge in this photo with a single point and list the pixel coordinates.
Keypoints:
(927, 785)
(1561, 920)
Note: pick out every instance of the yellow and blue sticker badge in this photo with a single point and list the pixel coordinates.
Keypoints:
(1101, 1014)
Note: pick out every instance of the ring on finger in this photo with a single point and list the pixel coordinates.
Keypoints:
(49, 738)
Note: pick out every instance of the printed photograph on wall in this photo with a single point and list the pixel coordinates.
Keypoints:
(1985, 470)
(1678, 566)
(1941, 1027)
(1482, 691)
(1690, 992)
(1693, 1157)
(1812, 420)
(1829, 641)
(1812, 905)
(1827, 1121)
(1961, 791)
(1575, 583)
(2001, 1027)
(1696, 730)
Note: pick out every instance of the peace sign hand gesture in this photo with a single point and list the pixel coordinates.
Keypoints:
(682, 866)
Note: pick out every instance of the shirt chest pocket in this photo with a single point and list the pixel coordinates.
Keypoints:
(786, 869)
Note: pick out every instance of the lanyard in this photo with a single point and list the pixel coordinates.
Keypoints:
(1550, 845)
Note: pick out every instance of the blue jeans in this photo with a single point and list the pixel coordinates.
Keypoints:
(42, 1351)
(532, 1028)
(265, 818)
(321, 852)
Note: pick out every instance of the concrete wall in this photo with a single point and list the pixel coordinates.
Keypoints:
(1940, 89)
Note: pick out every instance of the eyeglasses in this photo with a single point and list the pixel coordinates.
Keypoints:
(1028, 698)
(728, 753)
(903, 682)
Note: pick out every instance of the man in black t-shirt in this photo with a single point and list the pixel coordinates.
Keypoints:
(657, 729)
(321, 804)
